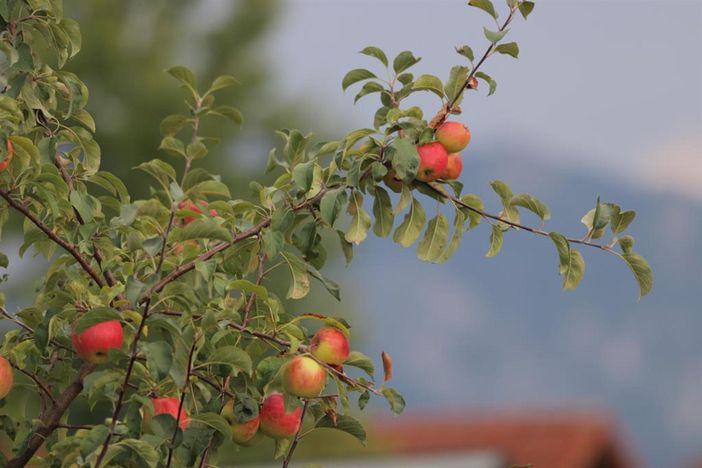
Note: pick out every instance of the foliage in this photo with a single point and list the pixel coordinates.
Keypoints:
(184, 270)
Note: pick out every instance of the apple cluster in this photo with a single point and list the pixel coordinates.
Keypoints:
(303, 376)
(440, 159)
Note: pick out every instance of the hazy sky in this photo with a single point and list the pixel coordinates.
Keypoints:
(614, 86)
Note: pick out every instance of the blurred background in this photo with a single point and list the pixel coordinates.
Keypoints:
(497, 364)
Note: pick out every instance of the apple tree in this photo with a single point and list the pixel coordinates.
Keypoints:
(156, 313)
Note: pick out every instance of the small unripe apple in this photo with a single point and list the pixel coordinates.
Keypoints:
(8, 159)
(168, 405)
(330, 345)
(93, 344)
(242, 431)
(392, 181)
(453, 135)
(304, 377)
(7, 377)
(190, 206)
(275, 422)
(432, 161)
(453, 167)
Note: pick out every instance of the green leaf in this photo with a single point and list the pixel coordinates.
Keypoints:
(368, 88)
(172, 124)
(495, 36)
(532, 204)
(405, 200)
(183, 74)
(485, 5)
(246, 285)
(221, 82)
(621, 220)
(429, 83)
(360, 220)
(303, 174)
(344, 423)
(236, 358)
(432, 246)
(203, 228)
(281, 448)
(377, 53)
(382, 210)
(563, 248)
(405, 159)
(496, 237)
(642, 271)
(397, 403)
(159, 357)
(196, 150)
(86, 205)
(216, 422)
(525, 8)
(626, 243)
(574, 270)
(503, 191)
(456, 82)
(356, 75)
(466, 51)
(492, 84)
(408, 232)
(476, 203)
(95, 316)
(508, 48)
(331, 286)
(141, 449)
(300, 284)
(228, 112)
(404, 60)
(361, 361)
(332, 205)
(458, 230)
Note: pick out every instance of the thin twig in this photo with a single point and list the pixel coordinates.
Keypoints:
(41, 386)
(252, 298)
(70, 248)
(125, 383)
(183, 391)
(296, 439)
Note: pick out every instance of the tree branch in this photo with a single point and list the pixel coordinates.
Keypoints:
(52, 420)
(296, 439)
(252, 297)
(537, 231)
(183, 391)
(41, 386)
(441, 116)
(125, 384)
(71, 249)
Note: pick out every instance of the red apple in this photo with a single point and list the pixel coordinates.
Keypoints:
(194, 208)
(330, 345)
(93, 344)
(432, 161)
(275, 422)
(8, 159)
(304, 377)
(392, 181)
(169, 405)
(6, 377)
(454, 167)
(453, 135)
(242, 431)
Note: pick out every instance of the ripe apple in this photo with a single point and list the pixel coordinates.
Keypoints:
(392, 181)
(6, 377)
(454, 167)
(304, 377)
(93, 344)
(432, 161)
(242, 431)
(168, 405)
(275, 422)
(8, 159)
(330, 345)
(190, 206)
(453, 135)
